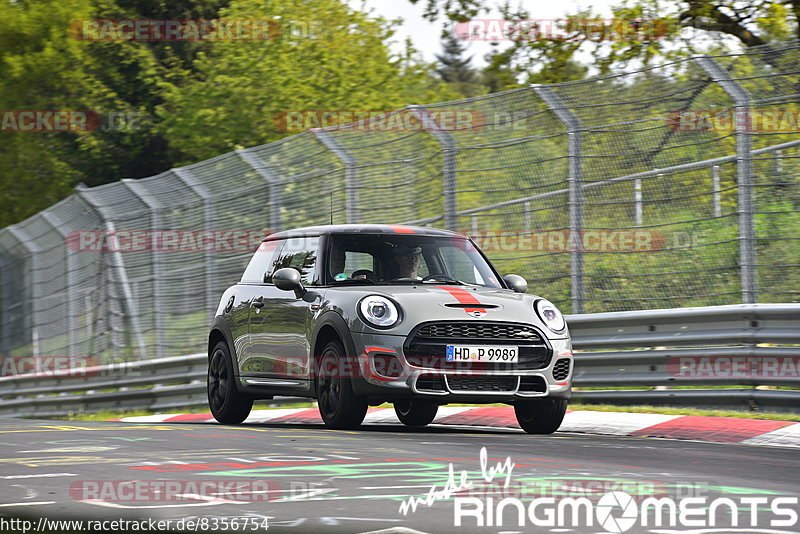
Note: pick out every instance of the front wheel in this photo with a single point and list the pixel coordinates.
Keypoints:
(228, 406)
(415, 412)
(339, 407)
(540, 416)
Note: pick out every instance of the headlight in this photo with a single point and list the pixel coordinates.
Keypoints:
(379, 311)
(550, 315)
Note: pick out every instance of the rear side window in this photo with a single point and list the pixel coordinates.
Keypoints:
(298, 253)
(262, 263)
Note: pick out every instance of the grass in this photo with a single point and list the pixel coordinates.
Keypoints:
(107, 415)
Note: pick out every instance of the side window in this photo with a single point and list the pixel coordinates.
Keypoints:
(261, 264)
(298, 253)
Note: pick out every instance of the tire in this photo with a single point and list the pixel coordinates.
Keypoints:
(540, 416)
(416, 412)
(228, 406)
(339, 407)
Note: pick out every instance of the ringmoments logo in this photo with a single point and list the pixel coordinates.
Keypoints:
(615, 511)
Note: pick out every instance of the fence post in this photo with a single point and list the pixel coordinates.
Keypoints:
(36, 284)
(273, 184)
(158, 288)
(744, 173)
(72, 299)
(350, 169)
(5, 322)
(208, 220)
(715, 191)
(448, 164)
(637, 198)
(118, 265)
(575, 180)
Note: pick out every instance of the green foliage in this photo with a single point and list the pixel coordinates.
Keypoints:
(242, 87)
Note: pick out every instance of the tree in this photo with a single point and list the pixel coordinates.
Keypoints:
(455, 69)
(681, 27)
(242, 87)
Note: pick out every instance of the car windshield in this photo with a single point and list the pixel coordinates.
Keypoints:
(402, 259)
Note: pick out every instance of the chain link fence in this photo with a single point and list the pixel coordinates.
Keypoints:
(677, 185)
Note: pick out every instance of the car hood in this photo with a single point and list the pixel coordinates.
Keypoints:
(430, 302)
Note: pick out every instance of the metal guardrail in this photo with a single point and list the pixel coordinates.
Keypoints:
(755, 345)
(636, 349)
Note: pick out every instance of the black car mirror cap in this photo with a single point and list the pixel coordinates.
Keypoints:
(516, 282)
(289, 279)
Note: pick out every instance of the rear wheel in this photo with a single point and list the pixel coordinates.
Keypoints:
(540, 416)
(339, 407)
(415, 412)
(227, 405)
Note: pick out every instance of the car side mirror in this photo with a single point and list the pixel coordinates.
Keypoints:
(516, 282)
(289, 279)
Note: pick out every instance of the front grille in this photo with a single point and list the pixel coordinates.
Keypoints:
(427, 344)
(482, 383)
(483, 331)
(561, 369)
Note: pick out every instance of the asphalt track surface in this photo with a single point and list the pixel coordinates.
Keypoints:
(305, 478)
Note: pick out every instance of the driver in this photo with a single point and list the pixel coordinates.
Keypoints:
(406, 261)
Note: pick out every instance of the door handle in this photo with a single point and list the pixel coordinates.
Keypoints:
(258, 304)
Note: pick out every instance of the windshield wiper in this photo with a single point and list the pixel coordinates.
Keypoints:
(450, 281)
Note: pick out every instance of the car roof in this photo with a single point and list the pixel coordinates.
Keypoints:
(309, 231)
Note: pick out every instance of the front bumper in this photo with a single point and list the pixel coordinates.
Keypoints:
(386, 374)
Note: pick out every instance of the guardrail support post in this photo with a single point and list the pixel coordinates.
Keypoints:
(744, 173)
(208, 220)
(72, 299)
(158, 287)
(36, 283)
(575, 198)
(350, 169)
(118, 265)
(448, 145)
(273, 183)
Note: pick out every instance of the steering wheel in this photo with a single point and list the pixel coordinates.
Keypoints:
(440, 277)
(366, 273)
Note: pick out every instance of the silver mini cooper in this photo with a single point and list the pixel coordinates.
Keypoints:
(359, 315)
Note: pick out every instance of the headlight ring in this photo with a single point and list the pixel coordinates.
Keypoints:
(550, 315)
(379, 311)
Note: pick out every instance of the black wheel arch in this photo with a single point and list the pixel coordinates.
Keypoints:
(329, 327)
(220, 331)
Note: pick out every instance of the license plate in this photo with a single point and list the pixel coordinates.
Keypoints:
(482, 353)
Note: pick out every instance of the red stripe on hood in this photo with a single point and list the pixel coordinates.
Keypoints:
(464, 297)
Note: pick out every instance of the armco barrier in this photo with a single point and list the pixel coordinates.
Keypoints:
(637, 350)
(754, 345)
